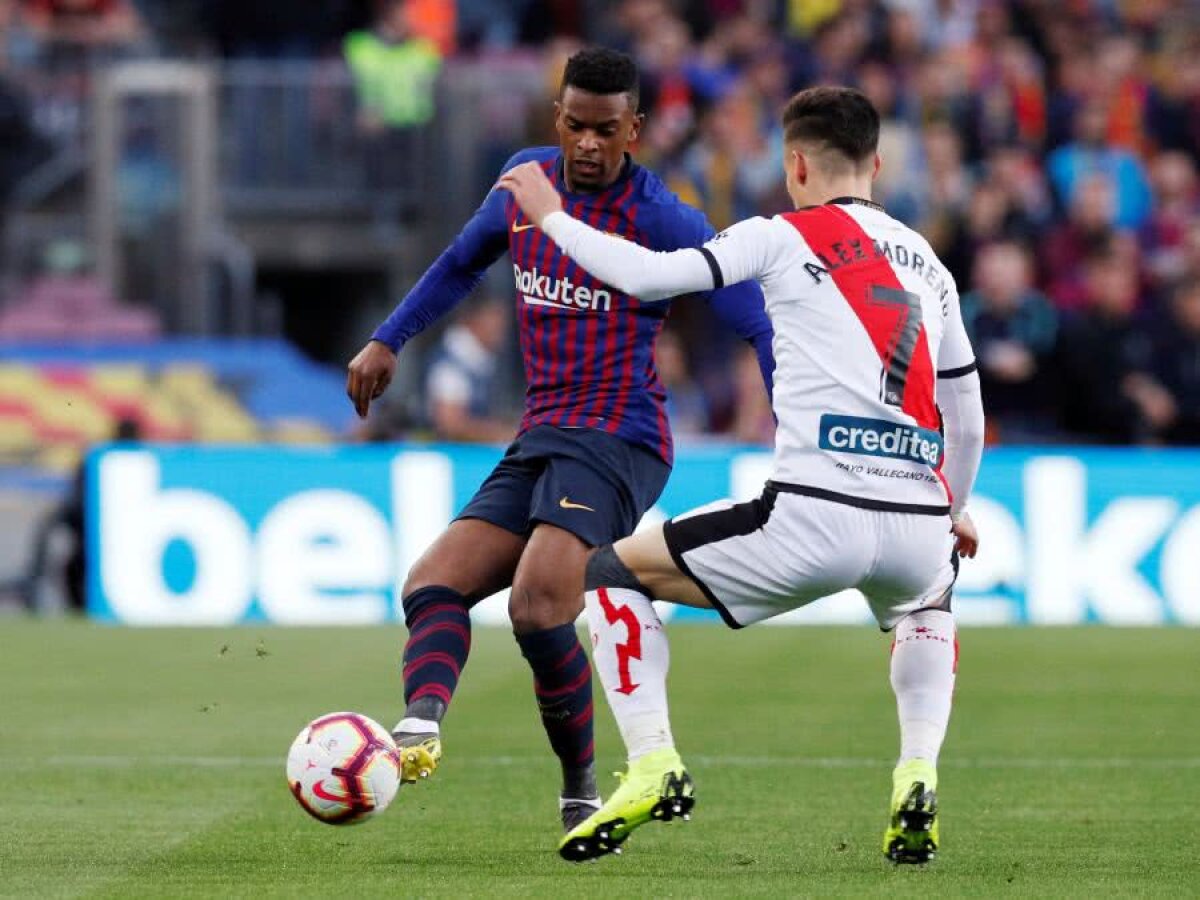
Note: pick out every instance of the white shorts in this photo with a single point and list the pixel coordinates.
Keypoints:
(786, 549)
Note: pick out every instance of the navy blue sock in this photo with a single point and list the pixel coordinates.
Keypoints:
(562, 680)
(439, 639)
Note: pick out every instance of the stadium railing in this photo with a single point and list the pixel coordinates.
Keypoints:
(162, 162)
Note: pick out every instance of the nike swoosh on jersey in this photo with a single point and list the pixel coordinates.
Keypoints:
(517, 229)
(567, 504)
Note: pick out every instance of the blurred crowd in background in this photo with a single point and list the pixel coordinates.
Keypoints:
(1047, 148)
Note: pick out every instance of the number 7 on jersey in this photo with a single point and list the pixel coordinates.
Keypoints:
(901, 343)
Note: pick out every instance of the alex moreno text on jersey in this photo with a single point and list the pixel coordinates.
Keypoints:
(877, 437)
(543, 290)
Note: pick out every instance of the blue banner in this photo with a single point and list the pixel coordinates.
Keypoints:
(213, 536)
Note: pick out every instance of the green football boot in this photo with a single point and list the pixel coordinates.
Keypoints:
(912, 834)
(657, 788)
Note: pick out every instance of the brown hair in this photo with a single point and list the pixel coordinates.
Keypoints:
(837, 118)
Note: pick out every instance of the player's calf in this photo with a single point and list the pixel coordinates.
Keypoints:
(543, 607)
(563, 688)
(439, 641)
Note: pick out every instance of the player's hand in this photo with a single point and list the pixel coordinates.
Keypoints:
(532, 190)
(966, 538)
(369, 375)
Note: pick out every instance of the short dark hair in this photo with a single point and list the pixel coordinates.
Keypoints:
(599, 70)
(839, 118)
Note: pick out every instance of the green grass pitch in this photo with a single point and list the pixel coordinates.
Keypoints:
(150, 763)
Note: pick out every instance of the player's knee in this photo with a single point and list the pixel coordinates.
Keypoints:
(606, 569)
(426, 572)
(417, 579)
(414, 601)
(535, 605)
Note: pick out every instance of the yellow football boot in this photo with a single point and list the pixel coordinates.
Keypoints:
(419, 755)
(657, 787)
(912, 834)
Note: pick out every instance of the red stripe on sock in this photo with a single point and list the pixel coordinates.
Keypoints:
(433, 656)
(587, 755)
(457, 628)
(569, 658)
(582, 718)
(432, 690)
(584, 675)
(428, 611)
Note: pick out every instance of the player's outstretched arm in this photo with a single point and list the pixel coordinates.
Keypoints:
(452, 277)
(630, 268)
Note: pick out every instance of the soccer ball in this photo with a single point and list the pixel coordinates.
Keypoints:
(343, 768)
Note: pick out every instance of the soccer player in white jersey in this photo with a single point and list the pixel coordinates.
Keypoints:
(879, 440)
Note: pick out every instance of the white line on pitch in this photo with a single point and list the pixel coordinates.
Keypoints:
(785, 762)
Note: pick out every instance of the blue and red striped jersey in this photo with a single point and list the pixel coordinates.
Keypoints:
(588, 349)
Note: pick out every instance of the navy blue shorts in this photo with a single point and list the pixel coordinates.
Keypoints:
(585, 481)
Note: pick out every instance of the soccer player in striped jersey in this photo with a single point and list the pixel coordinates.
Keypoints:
(594, 447)
(879, 440)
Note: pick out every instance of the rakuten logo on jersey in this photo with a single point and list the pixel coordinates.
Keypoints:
(543, 290)
(878, 437)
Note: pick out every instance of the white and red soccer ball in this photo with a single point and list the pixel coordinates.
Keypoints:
(343, 768)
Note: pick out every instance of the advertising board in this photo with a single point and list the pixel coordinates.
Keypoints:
(213, 536)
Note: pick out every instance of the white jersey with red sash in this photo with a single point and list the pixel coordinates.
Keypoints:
(866, 318)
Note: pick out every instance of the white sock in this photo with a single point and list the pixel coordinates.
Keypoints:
(924, 660)
(417, 726)
(629, 649)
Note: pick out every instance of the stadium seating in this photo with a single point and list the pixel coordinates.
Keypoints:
(55, 401)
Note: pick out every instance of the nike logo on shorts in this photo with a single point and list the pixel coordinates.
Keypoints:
(567, 504)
